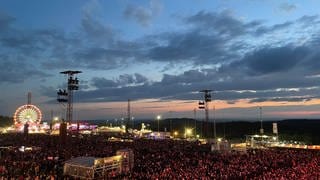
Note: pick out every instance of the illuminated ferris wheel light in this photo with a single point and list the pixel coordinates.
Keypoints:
(27, 114)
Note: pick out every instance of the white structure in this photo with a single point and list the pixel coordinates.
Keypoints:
(99, 168)
(261, 141)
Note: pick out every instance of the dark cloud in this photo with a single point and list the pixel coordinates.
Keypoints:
(271, 94)
(5, 21)
(24, 42)
(140, 78)
(18, 71)
(263, 74)
(223, 23)
(127, 79)
(309, 21)
(96, 30)
(274, 86)
(140, 91)
(143, 15)
(236, 62)
(103, 83)
(186, 78)
(123, 80)
(232, 102)
(192, 47)
(101, 58)
(189, 91)
(261, 30)
(35, 41)
(287, 7)
(140, 14)
(119, 55)
(93, 47)
(270, 60)
(216, 38)
(282, 99)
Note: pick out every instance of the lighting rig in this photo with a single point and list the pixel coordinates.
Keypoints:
(66, 96)
(205, 105)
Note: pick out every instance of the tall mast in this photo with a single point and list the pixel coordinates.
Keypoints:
(29, 98)
(205, 105)
(128, 116)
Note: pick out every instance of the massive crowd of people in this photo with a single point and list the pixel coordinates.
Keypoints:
(153, 159)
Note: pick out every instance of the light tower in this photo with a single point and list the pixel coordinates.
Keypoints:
(129, 116)
(66, 96)
(261, 126)
(205, 105)
(214, 123)
(158, 118)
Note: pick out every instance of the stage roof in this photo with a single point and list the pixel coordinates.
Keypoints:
(82, 161)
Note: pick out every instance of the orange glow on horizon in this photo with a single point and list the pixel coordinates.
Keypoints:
(153, 107)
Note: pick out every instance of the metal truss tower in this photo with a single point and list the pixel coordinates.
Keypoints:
(66, 96)
(205, 105)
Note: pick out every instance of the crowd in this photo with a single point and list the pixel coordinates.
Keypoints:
(153, 159)
(184, 160)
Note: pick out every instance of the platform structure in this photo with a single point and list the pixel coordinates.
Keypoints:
(99, 168)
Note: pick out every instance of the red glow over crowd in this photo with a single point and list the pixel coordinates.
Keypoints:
(153, 159)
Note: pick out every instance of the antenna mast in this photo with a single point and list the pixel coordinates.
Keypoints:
(29, 98)
(129, 116)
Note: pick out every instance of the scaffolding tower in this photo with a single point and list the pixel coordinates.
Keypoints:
(66, 96)
(204, 104)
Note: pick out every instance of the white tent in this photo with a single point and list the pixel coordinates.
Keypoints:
(91, 167)
(96, 168)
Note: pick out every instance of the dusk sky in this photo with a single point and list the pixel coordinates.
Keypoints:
(159, 54)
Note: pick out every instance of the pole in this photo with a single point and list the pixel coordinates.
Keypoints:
(170, 117)
(129, 116)
(195, 121)
(158, 125)
(51, 113)
(69, 109)
(214, 123)
(73, 84)
(261, 126)
(29, 98)
(170, 124)
(207, 120)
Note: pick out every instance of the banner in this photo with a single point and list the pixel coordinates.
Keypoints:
(275, 128)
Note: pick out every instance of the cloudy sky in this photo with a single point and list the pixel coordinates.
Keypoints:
(159, 54)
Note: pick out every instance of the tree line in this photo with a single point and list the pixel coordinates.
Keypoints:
(5, 121)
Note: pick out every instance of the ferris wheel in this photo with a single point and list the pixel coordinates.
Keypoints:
(27, 114)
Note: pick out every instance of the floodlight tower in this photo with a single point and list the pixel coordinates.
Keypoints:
(66, 96)
(205, 105)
